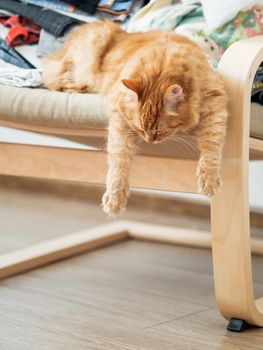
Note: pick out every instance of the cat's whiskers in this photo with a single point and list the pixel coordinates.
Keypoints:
(190, 147)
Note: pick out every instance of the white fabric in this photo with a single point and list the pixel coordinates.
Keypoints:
(158, 15)
(5, 13)
(190, 2)
(3, 31)
(218, 12)
(138, 21)
(19, 77)
(29, 52)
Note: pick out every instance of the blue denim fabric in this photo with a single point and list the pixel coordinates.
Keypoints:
(51, 21)
(49, 4)
(11, 56)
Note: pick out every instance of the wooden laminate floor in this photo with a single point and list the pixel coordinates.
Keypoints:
(130, 296)
(28, 218)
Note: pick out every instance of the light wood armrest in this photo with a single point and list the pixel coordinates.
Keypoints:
(238, 67)
(230, 208)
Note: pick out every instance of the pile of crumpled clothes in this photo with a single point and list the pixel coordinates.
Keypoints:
(213, 25)
(31, 29)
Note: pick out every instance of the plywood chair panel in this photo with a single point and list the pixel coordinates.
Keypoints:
(230, 208)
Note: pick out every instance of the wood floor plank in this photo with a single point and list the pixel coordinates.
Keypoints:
(27, 219)
(160, 272)
(130, 296)
(207, 327)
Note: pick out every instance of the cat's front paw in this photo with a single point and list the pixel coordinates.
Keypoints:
(208, 180)
(114, 203)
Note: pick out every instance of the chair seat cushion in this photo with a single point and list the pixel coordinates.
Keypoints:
(256, 122)
(41, 107)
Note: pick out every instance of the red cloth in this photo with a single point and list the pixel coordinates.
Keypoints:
(21, 31)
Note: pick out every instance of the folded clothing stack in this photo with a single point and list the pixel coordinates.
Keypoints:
(51, 21)
(45, 23)
(21, 24)
(82, 9)
(56, 17)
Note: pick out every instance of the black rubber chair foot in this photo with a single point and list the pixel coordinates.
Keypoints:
(236, 325)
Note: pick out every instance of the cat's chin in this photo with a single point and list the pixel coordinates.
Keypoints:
(158, 141)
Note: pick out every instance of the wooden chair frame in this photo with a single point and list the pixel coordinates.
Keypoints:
(229, 209)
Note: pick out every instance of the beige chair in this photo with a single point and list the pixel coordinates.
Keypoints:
(84, 117)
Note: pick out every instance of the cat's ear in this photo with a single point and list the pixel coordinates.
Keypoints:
(173, 96)
(132, 85)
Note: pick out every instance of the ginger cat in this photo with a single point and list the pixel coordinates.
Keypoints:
(157, 84)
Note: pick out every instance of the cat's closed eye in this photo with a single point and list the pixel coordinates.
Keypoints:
(138, 130)
(173, 114)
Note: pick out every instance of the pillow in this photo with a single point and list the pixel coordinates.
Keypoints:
(219, 12)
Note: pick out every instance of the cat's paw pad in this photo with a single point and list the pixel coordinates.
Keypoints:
(114, 203)
(208, 181)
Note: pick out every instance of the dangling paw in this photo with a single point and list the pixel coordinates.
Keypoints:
(208, 180)
(114, 203)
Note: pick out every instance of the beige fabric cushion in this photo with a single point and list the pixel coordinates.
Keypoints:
(256, 122)
(42, 107)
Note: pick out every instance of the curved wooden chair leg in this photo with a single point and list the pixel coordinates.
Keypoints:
(230, 208)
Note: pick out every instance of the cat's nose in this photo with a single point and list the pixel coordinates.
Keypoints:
(150, 138)
(154, 138)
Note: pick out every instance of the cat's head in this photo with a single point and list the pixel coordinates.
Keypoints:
(158, 111)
